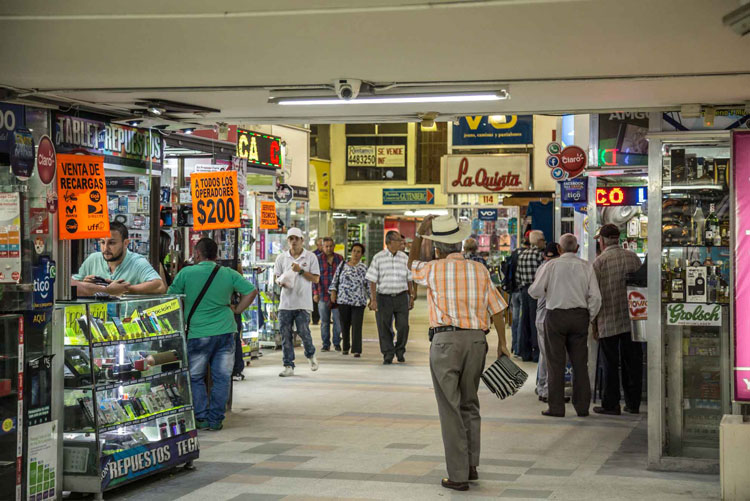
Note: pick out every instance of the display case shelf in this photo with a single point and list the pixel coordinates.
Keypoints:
(147, 419)
(111, 385)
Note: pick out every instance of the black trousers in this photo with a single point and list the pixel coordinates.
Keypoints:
(528, 344)
(621, 354)
(351, 326)
(315, 313)
(567, 331)
(239, 362)
(388, 308)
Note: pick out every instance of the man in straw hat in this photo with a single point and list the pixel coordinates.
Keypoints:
(462, 304)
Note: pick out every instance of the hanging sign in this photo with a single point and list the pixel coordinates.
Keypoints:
(694, 314)
(260, 150)
(574, 190)
(283, 194)
(613, 196)
(268, 219)
(22, 154)
(408, 196)
(10, 237)
(566, 164)
(216, 201)
(46, 160)
(493, 130)
(486, 173)
(487, 214)
(83, 194)
(12, 117)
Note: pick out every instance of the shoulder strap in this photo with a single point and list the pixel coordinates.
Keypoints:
(200, 297)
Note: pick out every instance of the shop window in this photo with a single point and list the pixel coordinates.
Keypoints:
(376, 152)
(320, 141)
(431, 146)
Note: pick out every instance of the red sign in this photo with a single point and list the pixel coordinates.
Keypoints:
(637, 305)
(573, 161)
(45, 160)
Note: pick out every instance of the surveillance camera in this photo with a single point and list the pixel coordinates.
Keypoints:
(347, 88)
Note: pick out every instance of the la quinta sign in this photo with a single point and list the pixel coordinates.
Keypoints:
(486, 173)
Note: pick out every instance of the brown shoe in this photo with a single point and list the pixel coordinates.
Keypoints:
(549, 413)
(456, 486)
(473, 475)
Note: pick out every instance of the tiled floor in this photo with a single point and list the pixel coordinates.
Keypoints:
(359, 430)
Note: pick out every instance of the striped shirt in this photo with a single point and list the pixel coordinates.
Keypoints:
(459, 292)
(610, 268)
(390, 272)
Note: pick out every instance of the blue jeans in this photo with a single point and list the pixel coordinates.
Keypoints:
(301, 318)
(515, 309)
(326, 315)
(218, 352)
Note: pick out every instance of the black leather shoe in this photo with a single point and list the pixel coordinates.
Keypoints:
(473, 475)
(401, 359)
(456, 486)
(543, 399)
(549, 413)
(609, 412)
(388, 361)
(325, 349)
(583, 414)
(357, 355)
(631, 411)
(345, 352)
(338, 348)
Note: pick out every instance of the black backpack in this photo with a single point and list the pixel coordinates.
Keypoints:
(508, 268)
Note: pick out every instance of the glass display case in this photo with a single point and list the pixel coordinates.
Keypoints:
(689, 286)
(11, 414)
(127, 402)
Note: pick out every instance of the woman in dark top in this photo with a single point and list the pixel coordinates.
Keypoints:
(350, 290)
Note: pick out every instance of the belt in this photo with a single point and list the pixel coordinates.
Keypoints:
(392, 295)
(450, 328)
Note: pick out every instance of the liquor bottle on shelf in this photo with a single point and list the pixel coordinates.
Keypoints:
(711, 226)
(697, 223)
(724, 230)
(678, 282)
(712, 284)
(666, 278)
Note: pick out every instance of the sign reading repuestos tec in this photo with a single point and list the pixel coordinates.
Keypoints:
(260, 150)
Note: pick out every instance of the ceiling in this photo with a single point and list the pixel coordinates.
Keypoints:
(554, 55)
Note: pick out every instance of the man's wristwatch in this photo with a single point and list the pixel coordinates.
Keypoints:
(301, 272)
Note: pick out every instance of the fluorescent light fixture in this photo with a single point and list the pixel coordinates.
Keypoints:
(457, 97)
(426, 212)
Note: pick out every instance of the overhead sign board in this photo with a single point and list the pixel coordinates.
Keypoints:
(613, 196)
(408, 196)
(574, 191)
(216, 201)
(486, 173)
(82, 193)
(493, 130)
(260, 150)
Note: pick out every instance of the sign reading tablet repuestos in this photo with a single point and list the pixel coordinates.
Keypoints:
(260, 150)
(216, 201)
(82, 194)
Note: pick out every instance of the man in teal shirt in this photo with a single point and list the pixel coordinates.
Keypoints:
(123, 271)
(212, 328)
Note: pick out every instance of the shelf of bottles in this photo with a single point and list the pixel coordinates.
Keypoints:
(127, 389)
(695, 289)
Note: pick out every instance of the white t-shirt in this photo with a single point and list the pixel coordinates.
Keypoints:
(300, 296)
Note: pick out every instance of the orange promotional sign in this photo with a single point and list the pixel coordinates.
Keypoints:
(216, 200)
(268, 219)
(82, 194)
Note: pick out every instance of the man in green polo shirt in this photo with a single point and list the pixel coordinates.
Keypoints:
(124, 271)
(212, 327)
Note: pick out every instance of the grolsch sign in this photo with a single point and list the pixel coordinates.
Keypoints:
(695, 314)
(486, 173)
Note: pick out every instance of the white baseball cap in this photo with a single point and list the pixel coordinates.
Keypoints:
(294, 232)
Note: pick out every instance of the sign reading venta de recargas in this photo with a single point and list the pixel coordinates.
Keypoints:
(486, 173)
(696, 314)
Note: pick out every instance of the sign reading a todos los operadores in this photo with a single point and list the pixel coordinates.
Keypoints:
(216, 201)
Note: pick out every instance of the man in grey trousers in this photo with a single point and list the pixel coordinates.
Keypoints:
(462, 303)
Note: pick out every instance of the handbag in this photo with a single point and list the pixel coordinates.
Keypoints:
(504, 378)
(200, 298)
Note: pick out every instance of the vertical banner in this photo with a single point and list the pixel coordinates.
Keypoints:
(82, 193)
(268, 219)
(10, 238)
(741, 159)
(216, 200)
(323, 176)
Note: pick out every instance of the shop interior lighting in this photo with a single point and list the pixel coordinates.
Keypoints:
(426, 212)
(709, 116)
(499, 119)
(134, 123)
(189, 130)
(456, 97)
(155, 110)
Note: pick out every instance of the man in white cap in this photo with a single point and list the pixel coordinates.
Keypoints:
(296, 271)
(463, 304)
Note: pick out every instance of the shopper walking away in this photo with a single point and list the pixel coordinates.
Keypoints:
(470, 251)
(350, 291)
(318, 251)
(529, 261)
(612, 327)
(211, 327)
(511, 287)
(296, 271)
(569, 286)
(328, 262)
(550, 252)
(462, 302)
(391, 295)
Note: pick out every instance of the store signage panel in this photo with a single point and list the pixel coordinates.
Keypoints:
(82, 193)
(694, 314)
(260, 150)
(408, 196)
(487, 214)
(486, 173)
(12, 117)
(118, 144)
(10, 237)
(216, 201)
(268, 219)
(493, 130)
(622, 139)
(574, 191)
(126, 465)
(613, 196)
(741, 156)
(46, 161)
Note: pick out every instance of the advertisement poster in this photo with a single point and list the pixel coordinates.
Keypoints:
(12, 117)
(391, 156)
(361, 156)
(44, 283)
(494, 130)
(41, 462)
(268, 219)
(22, 154)
(82, 192)
(216, 201)
(129, 464)
(700, 315)
(695, 278)
(486, 173)
(10, 238)
(741, 156)
(323, 178)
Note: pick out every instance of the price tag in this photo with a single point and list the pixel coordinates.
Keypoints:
(216, 202)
